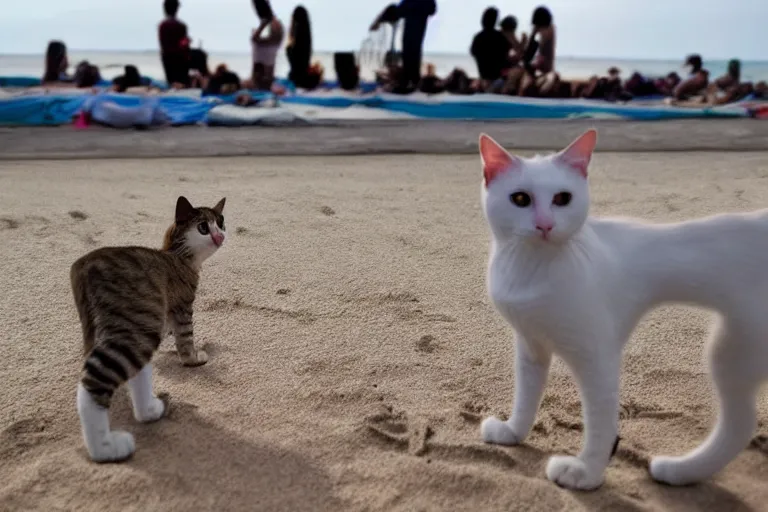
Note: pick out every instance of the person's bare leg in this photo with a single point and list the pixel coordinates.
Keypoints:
(547, 84)
(528, 86)
(512, 86)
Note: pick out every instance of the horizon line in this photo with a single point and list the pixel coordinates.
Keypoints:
(435, 54)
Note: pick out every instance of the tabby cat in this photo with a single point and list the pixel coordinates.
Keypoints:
(127, 299)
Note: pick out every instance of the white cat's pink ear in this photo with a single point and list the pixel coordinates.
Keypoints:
(495, 158)
(579, 153)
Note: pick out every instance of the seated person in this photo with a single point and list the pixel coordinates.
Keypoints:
(129, 79)
(761, 90)
(458, 82)
(56, 64)
(490, 48)
(86, 75)
(602, 88)
(223, 81)
(430, 83)
(697, 81)
(728, 88)
(264, 52)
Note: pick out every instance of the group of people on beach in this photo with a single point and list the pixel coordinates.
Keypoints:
(524, 65)
(187, 67)
(508, 62)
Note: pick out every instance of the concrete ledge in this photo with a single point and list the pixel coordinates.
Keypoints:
(392, 137)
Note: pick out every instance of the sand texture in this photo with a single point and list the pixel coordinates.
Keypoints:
(353, 347)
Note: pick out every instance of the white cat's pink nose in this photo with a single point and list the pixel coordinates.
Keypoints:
(545, 228)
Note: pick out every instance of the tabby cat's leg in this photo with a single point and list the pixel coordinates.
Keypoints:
(102, 374)
(146, 406)
(117, 356)
(531, 368)
(185, 341)
(737, 367)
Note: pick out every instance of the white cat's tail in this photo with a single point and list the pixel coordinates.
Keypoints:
(736, 360)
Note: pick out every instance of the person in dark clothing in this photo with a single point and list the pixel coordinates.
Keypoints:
(415, 14)
(174, 46)
(430, 83)
(490, 48)
(56, 64)
(86, 75)
(223, 81)
(696, 83)
(130, 78)
(299, 50)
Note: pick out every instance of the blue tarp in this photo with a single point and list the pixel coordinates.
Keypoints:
(59, 108)
(494, 107)
(56, 109)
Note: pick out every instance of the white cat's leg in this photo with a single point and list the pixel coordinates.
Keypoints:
(598, 378)
(531, 369)
(737, 368)
(146, 406)
(102, 444)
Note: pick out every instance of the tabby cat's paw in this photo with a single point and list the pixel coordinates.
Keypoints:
(199, 359)
(495, 431)
(156, 409)
(116, 446)
(573, 473)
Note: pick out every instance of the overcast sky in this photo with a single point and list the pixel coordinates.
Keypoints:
(655, 29)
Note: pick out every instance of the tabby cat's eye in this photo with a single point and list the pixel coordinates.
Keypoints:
(203, 228)
(520, 199)
(220, 222)
(562, 199)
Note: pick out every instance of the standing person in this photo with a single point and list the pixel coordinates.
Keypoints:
(415, 13)
(264, 52)
(299, 50)
(540, 78)
(174, 46)
(490, 49)
(517, 44)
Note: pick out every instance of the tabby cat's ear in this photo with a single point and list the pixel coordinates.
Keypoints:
(578, 155)
(220, 206)
(184, 209)
(495, 158)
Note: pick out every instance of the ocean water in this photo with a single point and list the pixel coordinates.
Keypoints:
(369, 57)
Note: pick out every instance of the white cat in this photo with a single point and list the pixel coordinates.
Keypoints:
(576, 286)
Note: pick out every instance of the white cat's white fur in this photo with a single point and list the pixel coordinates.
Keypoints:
(103, 444)
(576, 286)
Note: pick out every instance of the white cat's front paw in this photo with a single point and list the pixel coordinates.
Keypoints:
(495, 431)
(116, 446)
(573, 473)
(669, 470)
(153, 411)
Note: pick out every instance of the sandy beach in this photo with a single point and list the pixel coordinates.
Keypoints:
(353, 346)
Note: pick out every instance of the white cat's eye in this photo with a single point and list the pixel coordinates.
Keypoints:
(562, 199)
(520, 199)
(203, 228)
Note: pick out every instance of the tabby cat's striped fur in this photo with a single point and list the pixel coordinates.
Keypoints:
(127, 298)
